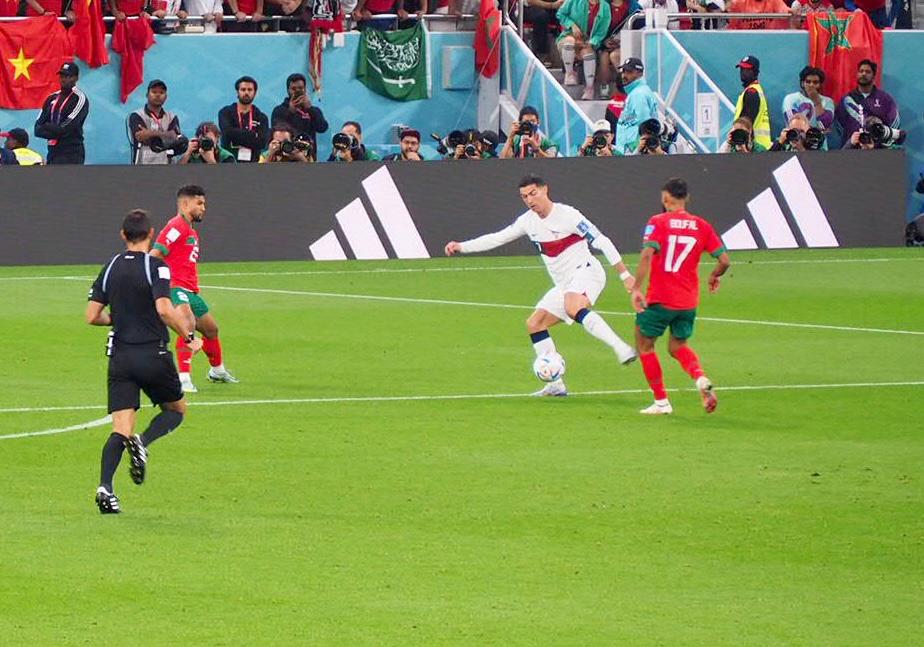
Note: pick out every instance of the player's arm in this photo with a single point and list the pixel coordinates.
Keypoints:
(641, 275)
(602, 243)
(164, 241)
(721, 266)
(96, 314)
(488, 241)
(180, 320)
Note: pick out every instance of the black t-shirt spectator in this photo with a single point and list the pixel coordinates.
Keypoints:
(302, 122)
(243, 130)
(61, 121)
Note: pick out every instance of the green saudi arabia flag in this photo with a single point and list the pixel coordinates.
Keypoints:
(394, 63)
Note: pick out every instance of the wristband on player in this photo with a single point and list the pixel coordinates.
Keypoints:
(190, 337)
(625, 274)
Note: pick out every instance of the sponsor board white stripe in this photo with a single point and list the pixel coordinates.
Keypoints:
(486, 268)
(327, 248)
(360, 233)
(480, 304)
(434, 398)
(739, 237)
(393, 214)
(770, 221)
(804, 205)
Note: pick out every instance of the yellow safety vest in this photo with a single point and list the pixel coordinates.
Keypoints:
(27, 157)
(762, 124)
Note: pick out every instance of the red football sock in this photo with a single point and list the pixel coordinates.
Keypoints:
(689, 361)
(652, 368)
(212, 348)
(183, 356)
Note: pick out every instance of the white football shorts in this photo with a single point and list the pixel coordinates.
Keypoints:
(589, 281)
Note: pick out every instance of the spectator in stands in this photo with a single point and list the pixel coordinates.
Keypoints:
(154, 133)
(366, 9)
(297, 112)
(244, 127)
(865, 101)
(875, 9)
(206, 147)
(741, 138)
(640, 105)
(47, 8)
(801, 8)
(600, 142)
(121, 9)
(585, 25)
(670, 6)
(608, 57)
(62, 118)
(752, 103)
(540, 14)
(817, 108)
(703, 7)
(526, 139)
(210, 10)
(285, 148)
(758, 6)
(17, 141)
(487, 144)
(410, 147)
(349, 147)
(8, 9)
(406, 8)
(245, 11)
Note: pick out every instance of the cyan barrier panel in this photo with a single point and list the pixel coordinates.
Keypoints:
(200, 70)
(783, 53)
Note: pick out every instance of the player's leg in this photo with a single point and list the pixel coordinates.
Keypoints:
(681, 330)
(549, 311)
(649, 325)
(566, 47)
(184, 354)
(589, 62)
(211, 344)
(580, 296)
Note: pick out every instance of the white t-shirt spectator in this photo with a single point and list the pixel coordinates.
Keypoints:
(670, 5)
(202, 8)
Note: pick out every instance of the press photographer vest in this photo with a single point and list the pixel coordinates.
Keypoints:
(142, 154)
(762, 123)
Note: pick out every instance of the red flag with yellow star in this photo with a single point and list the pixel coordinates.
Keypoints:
(89, 33)
(31, 53)
(838, 41)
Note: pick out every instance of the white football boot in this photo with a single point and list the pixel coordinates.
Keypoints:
(221, 374)
(626, 354)
(659, 408)
(552, 389)
(706, 392)
(186, 384)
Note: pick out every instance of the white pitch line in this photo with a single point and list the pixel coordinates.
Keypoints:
(463, 396)
(63, 430)
(412, 270)
(481, 304)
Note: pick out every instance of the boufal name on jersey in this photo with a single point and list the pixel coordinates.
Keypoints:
(677, 223)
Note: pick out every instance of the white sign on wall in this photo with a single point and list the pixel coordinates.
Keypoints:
(707, 114)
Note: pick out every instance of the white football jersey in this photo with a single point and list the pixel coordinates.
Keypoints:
(562, 239)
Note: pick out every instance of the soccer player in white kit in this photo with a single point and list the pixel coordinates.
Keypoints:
(561, 233)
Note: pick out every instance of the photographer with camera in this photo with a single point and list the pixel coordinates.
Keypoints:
(286, 147)
(205, 148)
(600, 142)
(865, 101)
(741, 138)
(348, 145)
(154, 133)
(798, 135)
(656, 137)
(875, 135)
(296, 110)
(410, 147)
(526, 140)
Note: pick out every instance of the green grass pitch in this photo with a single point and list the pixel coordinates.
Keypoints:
(339, 496)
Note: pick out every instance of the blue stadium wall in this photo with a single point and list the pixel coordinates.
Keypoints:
(200, 71)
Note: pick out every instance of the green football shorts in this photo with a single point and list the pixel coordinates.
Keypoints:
(655, 319)
(193, 300)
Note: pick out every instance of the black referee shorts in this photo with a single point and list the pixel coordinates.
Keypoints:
(137, 368)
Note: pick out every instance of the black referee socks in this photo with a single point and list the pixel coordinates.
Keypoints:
(112, 454)
(162, 424)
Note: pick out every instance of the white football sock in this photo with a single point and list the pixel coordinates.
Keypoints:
(567, 56)
(544, 347)
(184, 377)
(590, 69)
(596, 326)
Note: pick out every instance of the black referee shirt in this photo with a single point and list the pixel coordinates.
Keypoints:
(130, 284)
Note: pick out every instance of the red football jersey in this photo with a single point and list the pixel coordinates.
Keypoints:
(179, 243)
(679, 239)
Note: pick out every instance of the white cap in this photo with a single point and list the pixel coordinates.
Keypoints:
(601, 124)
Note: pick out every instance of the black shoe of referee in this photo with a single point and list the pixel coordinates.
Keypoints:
(107, 502)
(139, 458)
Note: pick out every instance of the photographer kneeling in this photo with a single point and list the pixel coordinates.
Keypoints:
(283, 147)
(205, 148)
(876, 135)
(799, 136)
(600, 143)
(741, 138)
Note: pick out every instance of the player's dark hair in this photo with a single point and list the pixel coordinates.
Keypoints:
(531, 179)
(136, 225)
(355, 125)
(190, 191)
(528, 110)
(872, 64)
(677, 188)
(292, 78)
(808, 71)
(246, 79)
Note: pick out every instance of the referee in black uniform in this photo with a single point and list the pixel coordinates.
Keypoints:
(136, 287)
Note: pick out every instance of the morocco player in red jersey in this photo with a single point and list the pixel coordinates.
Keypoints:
(178, 245)
(671, 249)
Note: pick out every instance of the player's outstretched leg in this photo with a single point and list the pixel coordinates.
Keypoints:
(538, 326)
(106, 500)
(690, 363)
(170, 417)
(596, 326)
(211, 346)
(651, 366)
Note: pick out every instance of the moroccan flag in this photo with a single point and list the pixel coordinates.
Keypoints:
(394, 63)
(838, 41)
(131, 38)
(31, 53)
(89, 33)
(487, 39)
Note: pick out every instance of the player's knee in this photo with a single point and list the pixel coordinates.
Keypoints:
(534, 324)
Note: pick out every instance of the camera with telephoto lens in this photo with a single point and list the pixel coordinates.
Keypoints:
(471, 150)
(865, 138)
(157, 144)
(342, 141)
(440, 145)
(814, 139)
(526, 129)
(205, 143)
(662, 132)
(883, 135)
(792, 136)
(740, 137)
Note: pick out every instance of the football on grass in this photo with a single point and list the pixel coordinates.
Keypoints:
(549, 367)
